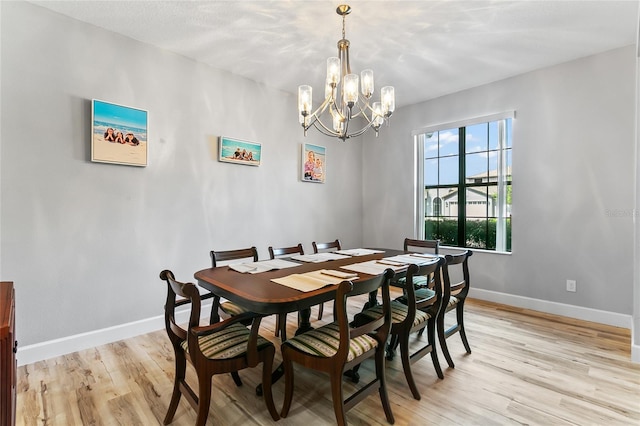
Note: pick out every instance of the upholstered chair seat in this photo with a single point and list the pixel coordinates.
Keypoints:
(324, 342)
(399, 313)
(229, 343)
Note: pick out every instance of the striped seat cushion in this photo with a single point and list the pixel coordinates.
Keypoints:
(421, 293)
(398, 313)
(324, 342)
(452, 301)
(228, 343)
(232, 309)
(418, 280)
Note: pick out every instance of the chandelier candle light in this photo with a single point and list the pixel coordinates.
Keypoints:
(342, 99)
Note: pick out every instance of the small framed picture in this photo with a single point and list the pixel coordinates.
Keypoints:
(314, 163)
(239, 152)
(118, 134)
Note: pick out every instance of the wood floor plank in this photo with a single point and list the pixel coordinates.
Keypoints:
(526, 367)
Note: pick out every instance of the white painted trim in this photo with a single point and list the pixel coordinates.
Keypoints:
(571, 311)
(57, 347)
(635, 353)
(465, 122)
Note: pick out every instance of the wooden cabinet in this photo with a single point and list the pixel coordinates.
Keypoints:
(8, 348)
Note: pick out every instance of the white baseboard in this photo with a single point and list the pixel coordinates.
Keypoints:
(571, 311)
(53, 348)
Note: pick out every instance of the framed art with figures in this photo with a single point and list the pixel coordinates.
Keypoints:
(239, 151)
(118, 134)
(314, 163)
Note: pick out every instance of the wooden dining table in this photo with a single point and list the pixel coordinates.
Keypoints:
(257, 293)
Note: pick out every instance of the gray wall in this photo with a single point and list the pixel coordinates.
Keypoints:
(573, 180)
(84, 242)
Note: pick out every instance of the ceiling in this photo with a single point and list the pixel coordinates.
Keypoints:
(424, 48)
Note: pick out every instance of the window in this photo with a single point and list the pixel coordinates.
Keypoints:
(464, 177)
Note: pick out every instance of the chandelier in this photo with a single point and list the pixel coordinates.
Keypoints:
(342, 100)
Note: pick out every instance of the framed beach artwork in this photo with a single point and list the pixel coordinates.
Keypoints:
(314, 163)
(239, 151)
(118, 134)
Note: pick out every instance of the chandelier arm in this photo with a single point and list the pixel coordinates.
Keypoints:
(315, 115)
(319, 125)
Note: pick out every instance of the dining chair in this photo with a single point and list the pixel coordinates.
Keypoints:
(421, 246)
(281, 320)
(222, 347)
(417, 312)
(454, 296)
(432, 245)
(227, 256)
(330, 246)
(336, 347)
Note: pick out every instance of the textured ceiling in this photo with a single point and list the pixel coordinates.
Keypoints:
(425, 49)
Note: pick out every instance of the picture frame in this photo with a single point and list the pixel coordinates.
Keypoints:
(314, 163)
(238, 151)
(119, 134)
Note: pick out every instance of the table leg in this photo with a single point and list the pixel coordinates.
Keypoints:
(305, 321)
(373, 300)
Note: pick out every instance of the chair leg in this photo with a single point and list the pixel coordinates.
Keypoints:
(384, 397)
(181, 366)
(288, 383)
(204, 398)
(320, 310)
(443, 341)
(406, 366)
(281, 323)
(267, 365)
(236, 378)
(431, 336)
(392, 346)
(338, 400)
(460, 317)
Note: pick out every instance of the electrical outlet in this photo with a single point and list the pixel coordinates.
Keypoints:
(571, 285)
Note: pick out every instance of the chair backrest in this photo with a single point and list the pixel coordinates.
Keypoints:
(333, 245)
(426, 301)
(379, 328)
(283, 251)
(224, 256)
(189, 294)
(458, 288)
(433, 245)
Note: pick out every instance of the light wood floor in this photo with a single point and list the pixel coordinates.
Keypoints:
(526, 368)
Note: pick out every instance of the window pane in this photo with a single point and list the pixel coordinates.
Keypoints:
(476, 138)
(476, 165)
(448, 142)
(508, 133)
(443, 229)
(431, 145)
(476, 203)
(431, 172)
(429, 196)
(476, 233)
(508, 160)
(448, 170)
